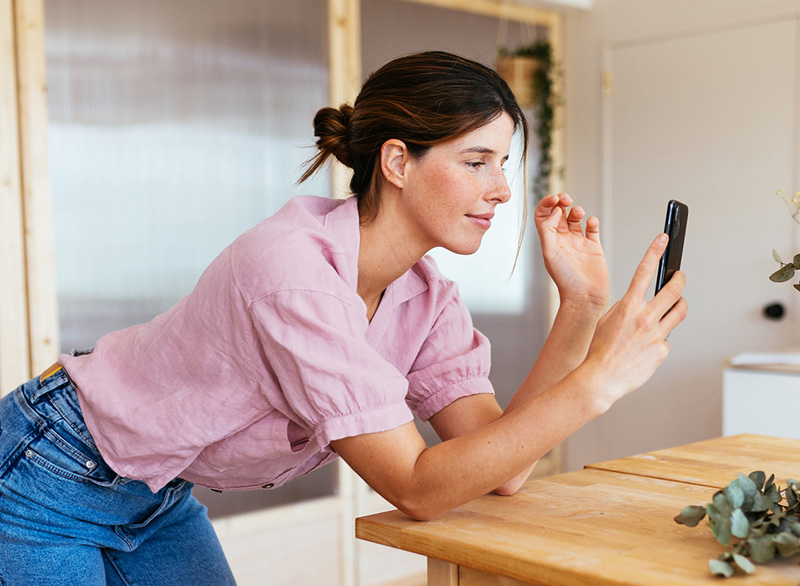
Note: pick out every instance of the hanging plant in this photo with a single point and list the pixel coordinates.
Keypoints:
(530, 72)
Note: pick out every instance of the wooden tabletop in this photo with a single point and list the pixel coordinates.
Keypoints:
(715, 462)
(599, 526)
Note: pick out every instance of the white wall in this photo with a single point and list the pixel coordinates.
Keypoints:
(589, 37)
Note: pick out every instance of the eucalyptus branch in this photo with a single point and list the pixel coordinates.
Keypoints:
(787, 269)
(753, 516)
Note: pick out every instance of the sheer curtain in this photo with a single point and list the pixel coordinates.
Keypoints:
(174, 127)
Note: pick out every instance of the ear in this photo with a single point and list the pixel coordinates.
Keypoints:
(394, 160)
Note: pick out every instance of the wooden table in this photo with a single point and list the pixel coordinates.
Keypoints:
(609, 524)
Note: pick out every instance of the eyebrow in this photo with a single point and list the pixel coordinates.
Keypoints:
(482, 150)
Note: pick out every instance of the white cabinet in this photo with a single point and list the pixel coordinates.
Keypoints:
(763, 401)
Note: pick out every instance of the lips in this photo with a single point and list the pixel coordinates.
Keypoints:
(482, 220)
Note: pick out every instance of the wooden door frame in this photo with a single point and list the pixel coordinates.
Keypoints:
(28, 302)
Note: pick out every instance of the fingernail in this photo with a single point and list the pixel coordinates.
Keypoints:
(662, 239)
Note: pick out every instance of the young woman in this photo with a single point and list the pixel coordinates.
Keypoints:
(317, 334)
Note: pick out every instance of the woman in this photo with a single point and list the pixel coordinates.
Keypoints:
(314, 335)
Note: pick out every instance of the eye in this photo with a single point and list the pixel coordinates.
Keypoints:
(475, 164)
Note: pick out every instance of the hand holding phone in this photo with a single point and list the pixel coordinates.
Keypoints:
(677, 215)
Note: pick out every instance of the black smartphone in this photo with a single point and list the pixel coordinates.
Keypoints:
(677, 215)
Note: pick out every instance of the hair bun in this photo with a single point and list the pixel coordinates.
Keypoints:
(332, 129)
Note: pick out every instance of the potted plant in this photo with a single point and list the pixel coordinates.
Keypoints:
(530, 72)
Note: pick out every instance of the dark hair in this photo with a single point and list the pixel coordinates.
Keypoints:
(423, 99)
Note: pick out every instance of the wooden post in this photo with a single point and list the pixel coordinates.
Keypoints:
(35, 181)
(14, 353)
(344, 47)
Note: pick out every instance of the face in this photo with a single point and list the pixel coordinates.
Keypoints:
(452, 191)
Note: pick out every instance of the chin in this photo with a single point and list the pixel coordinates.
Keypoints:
(464, 248)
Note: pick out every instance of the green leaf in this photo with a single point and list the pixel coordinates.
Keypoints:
(762, 549)
(791, 498)
(720, 524)
(783, 274)
(745, 564)
(735, 494)
(758, 478)
(776, 256)
(691, 516)
(796, 261)
(797, 286)
(720, 568)
(787, 544)
(751, 494)
(770, 483)
(722, 503)
(772, 493)
(740, 526)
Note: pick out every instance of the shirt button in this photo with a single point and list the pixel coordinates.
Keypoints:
(268, 485)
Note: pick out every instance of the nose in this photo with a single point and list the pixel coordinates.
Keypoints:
(499, 192)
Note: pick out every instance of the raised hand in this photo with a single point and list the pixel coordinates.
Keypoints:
(631, 338)
(572, 257)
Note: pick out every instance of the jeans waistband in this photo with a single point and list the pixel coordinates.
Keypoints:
(53, 397)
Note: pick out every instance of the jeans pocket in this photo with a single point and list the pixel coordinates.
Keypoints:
(61, 454)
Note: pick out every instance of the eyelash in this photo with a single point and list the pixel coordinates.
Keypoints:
(473, 165)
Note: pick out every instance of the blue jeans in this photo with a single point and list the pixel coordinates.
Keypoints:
(67, 519)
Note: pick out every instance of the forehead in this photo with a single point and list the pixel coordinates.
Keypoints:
(495, 136)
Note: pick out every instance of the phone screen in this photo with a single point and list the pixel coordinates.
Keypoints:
(675, 227)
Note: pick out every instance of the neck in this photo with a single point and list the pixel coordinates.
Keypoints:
(385, 253)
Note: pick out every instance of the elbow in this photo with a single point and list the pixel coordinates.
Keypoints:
(419, 511)
(508, 489)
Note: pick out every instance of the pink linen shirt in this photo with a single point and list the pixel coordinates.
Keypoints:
(246, 381)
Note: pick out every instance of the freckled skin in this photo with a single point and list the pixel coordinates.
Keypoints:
(456, 181)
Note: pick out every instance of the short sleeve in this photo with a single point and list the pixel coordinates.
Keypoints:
(453, 362)
(326, 375)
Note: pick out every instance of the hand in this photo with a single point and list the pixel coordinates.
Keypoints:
(630, 342)
(573, 259)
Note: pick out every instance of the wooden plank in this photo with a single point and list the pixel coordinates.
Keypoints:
(716, 462)
(497, 9)
(14, 358)
(590, 527)
(344, 47)
(37, 206)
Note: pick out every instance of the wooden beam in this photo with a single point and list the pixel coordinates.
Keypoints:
(14, 358)
(37, 205)
(497, 9)
(344, 48)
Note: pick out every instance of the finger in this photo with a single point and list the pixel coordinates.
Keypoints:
(669, 294)
(574, 218)
(593, 229)
(553, 221)
(564, 200)
(674, 316)
(546, 207)
(647, 267)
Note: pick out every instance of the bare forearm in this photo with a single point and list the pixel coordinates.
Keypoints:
(564, 349)
(444, 476)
